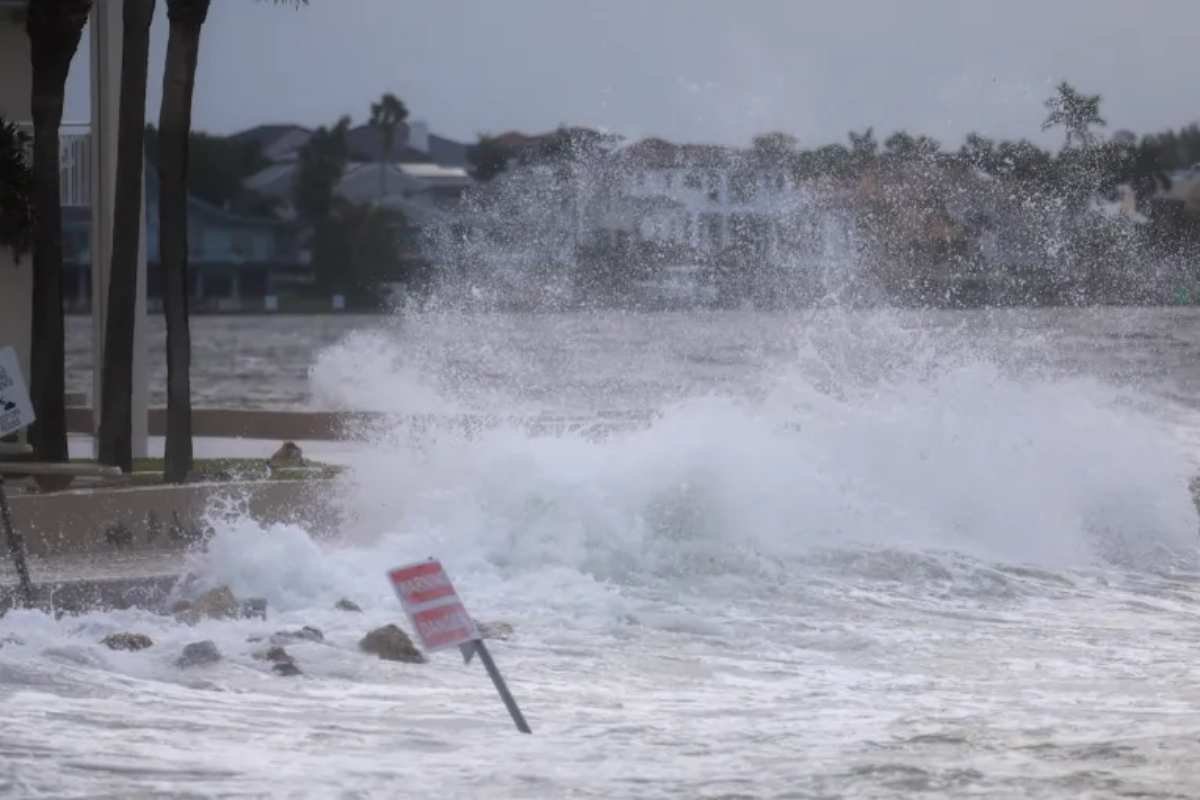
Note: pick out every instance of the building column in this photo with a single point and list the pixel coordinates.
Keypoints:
(106, 34)
(81, 288)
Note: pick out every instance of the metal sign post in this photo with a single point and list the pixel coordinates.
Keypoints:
(441, 621)
(501, 687)
(16, 549)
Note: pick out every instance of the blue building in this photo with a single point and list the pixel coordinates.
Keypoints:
(235, 261)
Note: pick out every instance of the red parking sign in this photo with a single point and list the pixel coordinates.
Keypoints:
(441, 621)
(429, 600)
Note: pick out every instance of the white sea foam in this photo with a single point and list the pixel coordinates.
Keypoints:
(892, 564)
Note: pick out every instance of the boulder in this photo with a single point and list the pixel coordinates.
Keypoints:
(347, 605)
(391, 644)
(275, 653)
(281, 660)
(198, 654)
(289, 455)
(305, 634)
(219, 603)
(286, 668)
(253, 608)
(216, 603)
(127, 641)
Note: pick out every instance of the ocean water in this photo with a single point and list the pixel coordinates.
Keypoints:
(845, 555)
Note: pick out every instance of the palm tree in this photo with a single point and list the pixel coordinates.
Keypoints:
(174, 125)
(116, 407)
(54, 28)
(16, 190)
(1076, 113)
(488, 158)
(387, 115)
(174, 129)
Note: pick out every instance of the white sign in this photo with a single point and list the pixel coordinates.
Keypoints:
(16, 412)
(442, 621)
(432, 605)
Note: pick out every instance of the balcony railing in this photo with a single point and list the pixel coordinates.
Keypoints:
(74, 162)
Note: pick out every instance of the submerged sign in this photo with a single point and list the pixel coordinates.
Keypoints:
(441, 621)
(429, 599)
(16, 412)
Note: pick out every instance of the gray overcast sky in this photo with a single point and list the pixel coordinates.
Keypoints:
(692, 70)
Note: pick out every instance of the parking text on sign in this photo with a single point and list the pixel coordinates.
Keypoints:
(422, 583)
(444, 626)
(432, 605)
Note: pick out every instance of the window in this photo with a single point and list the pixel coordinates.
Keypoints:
(742, 188)
(242, 244)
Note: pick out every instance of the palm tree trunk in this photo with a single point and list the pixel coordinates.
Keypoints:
(54, 28)
(174, 126)
(116, 406)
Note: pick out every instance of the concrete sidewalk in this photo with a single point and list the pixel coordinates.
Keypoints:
(72, 584)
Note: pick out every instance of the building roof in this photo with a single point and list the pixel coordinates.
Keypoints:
(203, 208)
(265, 135)
(273, 180)
(275, 142)
(369, 183)
(447, 151)
(365, 143)
(434, 172)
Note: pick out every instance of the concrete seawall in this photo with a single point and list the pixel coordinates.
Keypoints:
(116, 548)
(347, 425)
(99, 521)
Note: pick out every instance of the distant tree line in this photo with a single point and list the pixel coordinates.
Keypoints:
(925, 214)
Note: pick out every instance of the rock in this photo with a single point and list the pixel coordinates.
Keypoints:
(253, 608)
(286, 668)
(495, 630)
(273, 654)
(198, 654)
(127, 641)
(305, 634)
(11, 640)
(347, 605)
(391, 644)
(282, 662)
(214, 604)
(289, 455)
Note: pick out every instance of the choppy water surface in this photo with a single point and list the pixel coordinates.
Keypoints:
(850, 556)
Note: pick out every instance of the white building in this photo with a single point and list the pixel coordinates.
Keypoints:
(89, 170)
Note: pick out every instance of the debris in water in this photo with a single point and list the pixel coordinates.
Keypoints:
(305, 634)
(127, 641)
(501, 631)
